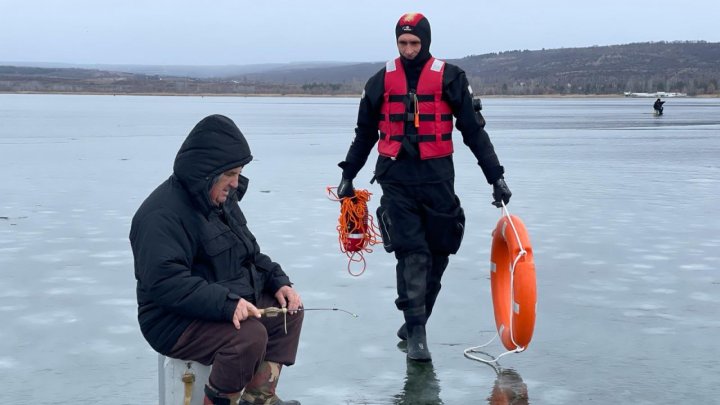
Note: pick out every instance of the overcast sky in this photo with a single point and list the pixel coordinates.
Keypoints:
(240, 32)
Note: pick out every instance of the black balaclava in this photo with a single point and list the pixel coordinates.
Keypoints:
(418, 25)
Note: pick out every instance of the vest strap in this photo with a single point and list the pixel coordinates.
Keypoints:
(401, 98)
(417, 138)
(410, 117)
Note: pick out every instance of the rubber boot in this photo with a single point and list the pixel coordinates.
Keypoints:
(417, 348)
(213, 397)
(261, 389)
(402, 332)
(439, 264)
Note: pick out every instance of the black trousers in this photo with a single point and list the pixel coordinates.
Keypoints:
(235, 354)
(424, 226)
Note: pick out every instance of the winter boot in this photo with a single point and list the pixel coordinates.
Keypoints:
(402, 332)
(417, 348)
(261, 389)
(439, 264)
(213, 397)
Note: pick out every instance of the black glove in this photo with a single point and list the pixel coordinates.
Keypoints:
(501, 192)
(345, 189)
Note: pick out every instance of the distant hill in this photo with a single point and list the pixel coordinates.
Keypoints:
(198, 71)
(684, 67)
(14, 79)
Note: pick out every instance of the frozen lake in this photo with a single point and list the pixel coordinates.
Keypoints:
(623, 209)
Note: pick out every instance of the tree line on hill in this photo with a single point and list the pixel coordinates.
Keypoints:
(683, 67)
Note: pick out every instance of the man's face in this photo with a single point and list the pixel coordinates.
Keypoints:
(409, 46)
(227, 182)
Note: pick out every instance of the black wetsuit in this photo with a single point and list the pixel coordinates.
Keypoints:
(420, 214)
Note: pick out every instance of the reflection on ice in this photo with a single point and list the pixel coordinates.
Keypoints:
(700, 266)
(8, 363)
(509, 389)
(121, 329)
(49, 318)
(421, 385)
(704, 297)
(659, 331)
(102, 346)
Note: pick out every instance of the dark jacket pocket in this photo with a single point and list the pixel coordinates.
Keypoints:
(385, 227)
(223, 255)
(219, 243)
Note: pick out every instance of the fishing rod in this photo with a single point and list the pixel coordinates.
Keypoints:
(275, 311)
(271, 312)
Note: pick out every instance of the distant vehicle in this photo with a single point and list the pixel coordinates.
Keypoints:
(658, 94)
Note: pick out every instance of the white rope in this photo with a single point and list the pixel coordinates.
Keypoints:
(517, 237)
(352, 259)
(467, 352)
(521, 254)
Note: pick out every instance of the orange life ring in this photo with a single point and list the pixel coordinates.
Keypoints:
(516, 286)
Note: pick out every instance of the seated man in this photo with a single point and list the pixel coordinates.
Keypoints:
(201, 277)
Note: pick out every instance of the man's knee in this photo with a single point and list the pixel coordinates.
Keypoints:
(414, 261)
(296, 320)
(292, 324)
(251, 337)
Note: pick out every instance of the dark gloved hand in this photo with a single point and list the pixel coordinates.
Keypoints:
(501, 192)
(345, 189)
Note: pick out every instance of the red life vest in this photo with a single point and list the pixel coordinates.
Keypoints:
(431, 116)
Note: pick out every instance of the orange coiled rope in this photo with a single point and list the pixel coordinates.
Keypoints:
(356, 227)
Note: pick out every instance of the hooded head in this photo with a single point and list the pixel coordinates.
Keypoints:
(415, 24)
(214, 146)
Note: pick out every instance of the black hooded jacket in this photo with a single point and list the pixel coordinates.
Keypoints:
(194, 260)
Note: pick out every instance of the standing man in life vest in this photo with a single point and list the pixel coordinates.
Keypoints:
(411, 102)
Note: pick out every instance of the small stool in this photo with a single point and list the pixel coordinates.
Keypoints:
(175, 375)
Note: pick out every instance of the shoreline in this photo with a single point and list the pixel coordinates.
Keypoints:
(150, 94)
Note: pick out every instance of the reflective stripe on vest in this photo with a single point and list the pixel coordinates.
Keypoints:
(434, 116)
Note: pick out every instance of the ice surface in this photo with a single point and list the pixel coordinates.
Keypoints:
(621, 207)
